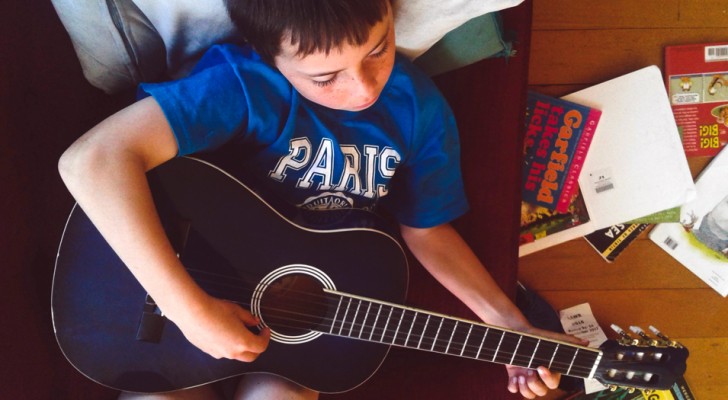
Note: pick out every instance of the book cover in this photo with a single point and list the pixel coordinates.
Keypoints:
(611, 241)
(700, 240)
(636, 165)
(538, 222)
(669, 215)
(679, 391)
(697, 79)
(558, 136)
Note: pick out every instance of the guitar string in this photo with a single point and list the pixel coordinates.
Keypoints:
(507, 340)
(488, 354)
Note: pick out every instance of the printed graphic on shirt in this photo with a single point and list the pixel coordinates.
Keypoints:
(364, 172)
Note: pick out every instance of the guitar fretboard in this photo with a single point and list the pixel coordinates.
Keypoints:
(376, 321)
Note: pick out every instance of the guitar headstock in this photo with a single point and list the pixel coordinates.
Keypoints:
(641, 362)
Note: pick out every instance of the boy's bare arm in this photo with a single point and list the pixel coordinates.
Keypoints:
(105, 171)
(444, 253)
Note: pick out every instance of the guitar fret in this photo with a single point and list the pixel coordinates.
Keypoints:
(452, 334)
(371, 334)
(554, 355)
(466, 340)
(399, 324)
(534, 353)
(482, 341)
(446, 335)
(503, 334)
(516, 350)
(389, 317)
(571, 364)
(338, 306)
(410, 328)
(437, 334)
(343, 319)
(353, 321)
(422, 336)
(363, 323)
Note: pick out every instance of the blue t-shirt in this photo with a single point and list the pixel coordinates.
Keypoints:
(402, 153)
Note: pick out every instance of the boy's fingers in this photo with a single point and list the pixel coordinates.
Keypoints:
(551, 380)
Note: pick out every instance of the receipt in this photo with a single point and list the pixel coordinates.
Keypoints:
(580, 322)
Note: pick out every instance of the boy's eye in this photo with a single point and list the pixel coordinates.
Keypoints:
(324, 83)
(382, 51)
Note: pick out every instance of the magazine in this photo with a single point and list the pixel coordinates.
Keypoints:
(700, 240)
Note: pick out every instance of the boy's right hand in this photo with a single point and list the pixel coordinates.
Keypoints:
(220, 329)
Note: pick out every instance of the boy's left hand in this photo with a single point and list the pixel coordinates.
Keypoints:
(531, 383)
(536, 383)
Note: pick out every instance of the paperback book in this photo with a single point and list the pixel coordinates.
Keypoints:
(697, 80)
(636, 165)
(537, 222)
(611, 241)
(679, 391)
(700, 240)
(558, 136)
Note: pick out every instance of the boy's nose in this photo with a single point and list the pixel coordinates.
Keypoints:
(366, 86)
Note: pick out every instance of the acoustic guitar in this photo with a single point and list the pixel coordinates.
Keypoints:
(328, 284)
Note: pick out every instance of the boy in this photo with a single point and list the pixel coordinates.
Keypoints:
(322, 107)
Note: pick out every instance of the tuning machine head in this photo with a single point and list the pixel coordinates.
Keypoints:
(624, 337)
(664, 339)
(629, 389)
(643, 339)
(639, 361)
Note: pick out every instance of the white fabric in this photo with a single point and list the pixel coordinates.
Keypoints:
(187, 27)
(419, 24)
(181, 30)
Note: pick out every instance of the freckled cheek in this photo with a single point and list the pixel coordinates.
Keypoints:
(327, 98)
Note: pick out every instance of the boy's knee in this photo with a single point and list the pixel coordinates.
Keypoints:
(266, 386)
(205, 392)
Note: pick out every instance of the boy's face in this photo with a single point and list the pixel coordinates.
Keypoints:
(348, 78)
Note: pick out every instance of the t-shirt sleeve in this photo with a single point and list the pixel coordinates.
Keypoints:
(427, 190)
(206, 108)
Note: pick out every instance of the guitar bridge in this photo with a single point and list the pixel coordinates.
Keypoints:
(152, 322)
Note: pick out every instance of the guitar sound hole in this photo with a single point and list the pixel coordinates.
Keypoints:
(294, 305)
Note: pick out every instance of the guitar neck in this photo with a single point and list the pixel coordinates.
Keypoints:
(372, 320)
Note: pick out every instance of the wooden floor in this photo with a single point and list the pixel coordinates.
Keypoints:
(576, 44)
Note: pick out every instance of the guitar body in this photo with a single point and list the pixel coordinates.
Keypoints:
(230, 241)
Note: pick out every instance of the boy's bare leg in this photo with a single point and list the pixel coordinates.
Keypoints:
(266, 386)
(251, 387)
(199, 393)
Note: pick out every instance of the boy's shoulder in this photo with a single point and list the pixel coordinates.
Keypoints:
(411, 81)
(227, 53)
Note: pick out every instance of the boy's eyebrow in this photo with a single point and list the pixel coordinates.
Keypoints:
(379, 43)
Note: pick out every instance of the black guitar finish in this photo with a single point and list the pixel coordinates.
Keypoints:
(332, 298)
(229, 240)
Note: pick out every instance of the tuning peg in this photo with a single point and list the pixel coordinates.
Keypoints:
(666, 339)
(625, 338)
(647, 340)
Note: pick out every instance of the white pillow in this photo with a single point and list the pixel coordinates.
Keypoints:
(121, 43)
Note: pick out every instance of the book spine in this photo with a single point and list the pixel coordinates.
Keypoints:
(570, 186)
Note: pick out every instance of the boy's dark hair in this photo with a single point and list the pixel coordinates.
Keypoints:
(312, 25)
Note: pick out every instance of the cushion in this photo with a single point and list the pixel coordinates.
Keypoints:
(121, 43)
(472, 41)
